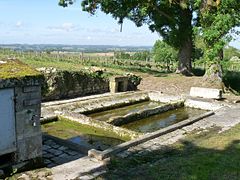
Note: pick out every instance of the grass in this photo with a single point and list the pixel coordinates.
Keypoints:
(208, 155)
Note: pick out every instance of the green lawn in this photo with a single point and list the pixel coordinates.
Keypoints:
(209, 155)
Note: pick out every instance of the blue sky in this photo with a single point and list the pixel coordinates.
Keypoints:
(44, 22)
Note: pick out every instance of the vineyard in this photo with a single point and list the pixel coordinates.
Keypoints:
(74, 61)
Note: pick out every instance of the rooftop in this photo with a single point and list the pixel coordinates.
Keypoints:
(15, 69)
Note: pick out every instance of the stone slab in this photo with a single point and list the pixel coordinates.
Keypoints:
(206, 93)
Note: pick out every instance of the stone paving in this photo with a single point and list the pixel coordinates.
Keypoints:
(66, 163)
(55, 154)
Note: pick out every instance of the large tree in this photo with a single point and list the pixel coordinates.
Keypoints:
(173, 20)
(218, 18)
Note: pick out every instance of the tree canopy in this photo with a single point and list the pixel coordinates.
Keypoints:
(172, 20)
(217, 22)
(162, 52)
(175, 21)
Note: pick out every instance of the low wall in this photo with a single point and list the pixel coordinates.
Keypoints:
(70, 84)
(99, 104)
(65, 84)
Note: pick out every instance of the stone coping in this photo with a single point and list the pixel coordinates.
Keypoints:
(85, 98)
(101, 155)
(93, 105)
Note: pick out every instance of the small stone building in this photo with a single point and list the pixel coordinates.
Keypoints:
(118, 84)
(20, 106)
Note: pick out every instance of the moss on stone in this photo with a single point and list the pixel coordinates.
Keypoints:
(15, 69)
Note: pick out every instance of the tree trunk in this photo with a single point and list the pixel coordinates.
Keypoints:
(214, 76)
(214, 72)
(185, 58)
(186, 43)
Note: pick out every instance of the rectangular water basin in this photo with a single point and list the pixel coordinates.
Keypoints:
(162, 120)
(83, 135)
(122, 111)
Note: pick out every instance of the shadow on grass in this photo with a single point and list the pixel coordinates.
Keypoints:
(187, 161)
(232, 80)
(198, 71)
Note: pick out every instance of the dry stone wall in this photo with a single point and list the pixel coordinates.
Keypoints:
(70, 84)
(66, 84)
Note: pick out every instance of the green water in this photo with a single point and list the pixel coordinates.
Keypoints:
(163, 120)
(105, 115)
(83, 135)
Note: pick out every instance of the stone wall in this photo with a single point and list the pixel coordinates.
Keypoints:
(28, 129)
(27, 105)
(66, 84)
(70, 84)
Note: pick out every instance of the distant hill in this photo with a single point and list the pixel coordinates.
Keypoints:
(73, 48)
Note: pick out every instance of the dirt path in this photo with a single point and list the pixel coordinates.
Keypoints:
(169, 84)
(175, 84)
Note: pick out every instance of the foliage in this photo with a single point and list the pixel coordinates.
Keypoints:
(134, 81)
(165, 17)
(122, 55)
(172, 20)
(230, 52)
(216, 21)
(140, 56)
(162, 52)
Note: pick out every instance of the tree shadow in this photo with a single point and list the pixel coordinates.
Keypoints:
(187, 161)
(232, 80)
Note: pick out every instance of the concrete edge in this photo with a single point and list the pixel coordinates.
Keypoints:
(84, 98)
(101, 155)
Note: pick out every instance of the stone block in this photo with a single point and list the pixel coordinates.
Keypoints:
(24, 123)
(202, 104)
(29, 148)
(208, 93)
(31, 89)
(30, 102)
(118, 84)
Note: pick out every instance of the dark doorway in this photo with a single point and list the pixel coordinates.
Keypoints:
(120, 86)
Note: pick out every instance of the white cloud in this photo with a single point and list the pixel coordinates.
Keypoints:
(67, 26)
(19, 24)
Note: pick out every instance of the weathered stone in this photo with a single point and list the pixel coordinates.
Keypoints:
(203, 104)
(31, 89)
(206, 93)
(26, 85)
(118, 84)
